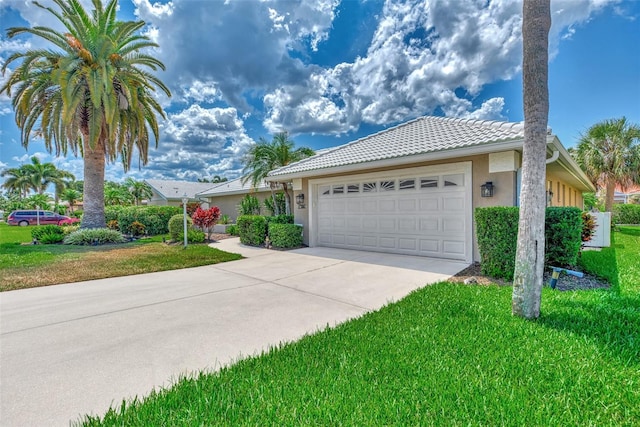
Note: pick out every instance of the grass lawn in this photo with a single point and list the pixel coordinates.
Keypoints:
(27, 266)
(448, 354)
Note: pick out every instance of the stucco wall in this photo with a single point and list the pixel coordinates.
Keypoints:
(229, 204)
(563, 193)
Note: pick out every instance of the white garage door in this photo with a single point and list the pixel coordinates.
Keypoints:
(420, 211)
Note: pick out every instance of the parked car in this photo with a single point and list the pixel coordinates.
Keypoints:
(35, 217)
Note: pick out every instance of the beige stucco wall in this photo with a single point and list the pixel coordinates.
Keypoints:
(229, 204)
(563, 193)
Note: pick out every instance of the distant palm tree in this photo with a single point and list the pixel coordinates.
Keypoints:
(116, 194)
(140, 190)
(609, 153)
(71, 196)
(266, 156)
(45, 174)
(88, 95)
(18, 181)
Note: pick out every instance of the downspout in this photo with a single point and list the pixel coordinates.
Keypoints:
(554, 157)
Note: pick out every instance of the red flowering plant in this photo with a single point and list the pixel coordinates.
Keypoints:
(206, 218)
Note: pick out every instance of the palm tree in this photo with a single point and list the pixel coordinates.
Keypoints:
(117, 194)
(18, 181)
(609, 154)
(71, 196)
(140, 190)
(44, 174)
(529, 263)
(266, 156)
(89, 95)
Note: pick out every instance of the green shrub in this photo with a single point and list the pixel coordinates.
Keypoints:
(224, 219)
(249, 205)
(193, 236)
(154, 218)
(111, 213)
(48, 234)
(280, 219)
(497, 232)
(563, 236)
(625, 214)
(233, 230)
(77, 214)
(94, 236)
(252, 229)
(68, 229)
(176, 227)
(285, 235)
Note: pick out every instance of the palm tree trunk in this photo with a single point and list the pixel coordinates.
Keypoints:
(276, 209)
(287, 198)
(529, 265)
(94, 167)
(608, 198)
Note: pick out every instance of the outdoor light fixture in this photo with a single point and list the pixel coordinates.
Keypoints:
(185, 200)
(486, 189)
(549, 196)
(300, 200)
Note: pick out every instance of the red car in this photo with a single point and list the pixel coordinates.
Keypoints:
(35, 217)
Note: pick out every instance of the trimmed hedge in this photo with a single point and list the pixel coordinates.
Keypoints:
(279, 219)
(175, 225)
(252, 229)
(285, 235)
(563, 236)
(154, 218)
(497, 233)
(625, 214)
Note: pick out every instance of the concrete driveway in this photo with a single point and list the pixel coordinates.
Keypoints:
(78, 348)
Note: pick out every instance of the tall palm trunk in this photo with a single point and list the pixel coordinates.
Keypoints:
(276, 208)
(287, 197)
(608, 198)
(529, 268)
(94, 167)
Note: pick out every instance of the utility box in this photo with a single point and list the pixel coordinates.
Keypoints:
(602, 236)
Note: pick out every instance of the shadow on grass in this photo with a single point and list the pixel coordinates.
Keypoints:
(630, 231)
(610, 319)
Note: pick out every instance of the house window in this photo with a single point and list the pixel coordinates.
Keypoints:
(429, 182)
(407, 184)
(353, 188)
(369, 187)
(453, 180)
(387, 185)
(338, 189)
(558, 192)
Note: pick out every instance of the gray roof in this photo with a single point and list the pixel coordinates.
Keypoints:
(420, 136)
(176, 189)
(232, 187)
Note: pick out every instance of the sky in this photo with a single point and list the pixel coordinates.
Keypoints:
(331, 71)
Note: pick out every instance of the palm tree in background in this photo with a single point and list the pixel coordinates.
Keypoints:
(609, 153)
(89, 95)
(117, 194)
(71, 196)
(140, 190)
(17, 181)
(266, 156)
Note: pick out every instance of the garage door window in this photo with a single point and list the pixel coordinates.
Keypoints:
(325, 190)
(387, 185)
(429, 182)
(453, 180)
(338, 189)
(353, 188)
(369, 187)
(407, 184)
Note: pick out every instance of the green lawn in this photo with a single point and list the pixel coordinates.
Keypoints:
(26, 266)
(449, 354)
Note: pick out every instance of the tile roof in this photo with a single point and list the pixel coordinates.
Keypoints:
(176, 189)
(420, 136)
(232, 187)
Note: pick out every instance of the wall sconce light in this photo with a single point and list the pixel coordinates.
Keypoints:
(549, 196)
(486, 189)
(300, 200)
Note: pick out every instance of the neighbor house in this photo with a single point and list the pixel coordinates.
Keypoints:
(412, 189)
(171, 193)
(627, 195)
(228, 195)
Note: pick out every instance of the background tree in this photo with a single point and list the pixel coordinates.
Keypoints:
(71, 196)
(35, 201)
(216, 179)
(88, 94)
(139, 190)
(17, 181)
(206, 218)
(117, 194)
(265, 157)
(529, 265)
(609, 154)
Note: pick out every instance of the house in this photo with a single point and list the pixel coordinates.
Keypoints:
(227, 195)
(411, 189)
(171, 193)
(626, 195)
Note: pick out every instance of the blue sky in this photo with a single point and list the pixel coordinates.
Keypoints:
(330, 72)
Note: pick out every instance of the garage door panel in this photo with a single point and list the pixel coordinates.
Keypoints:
(425, 214)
